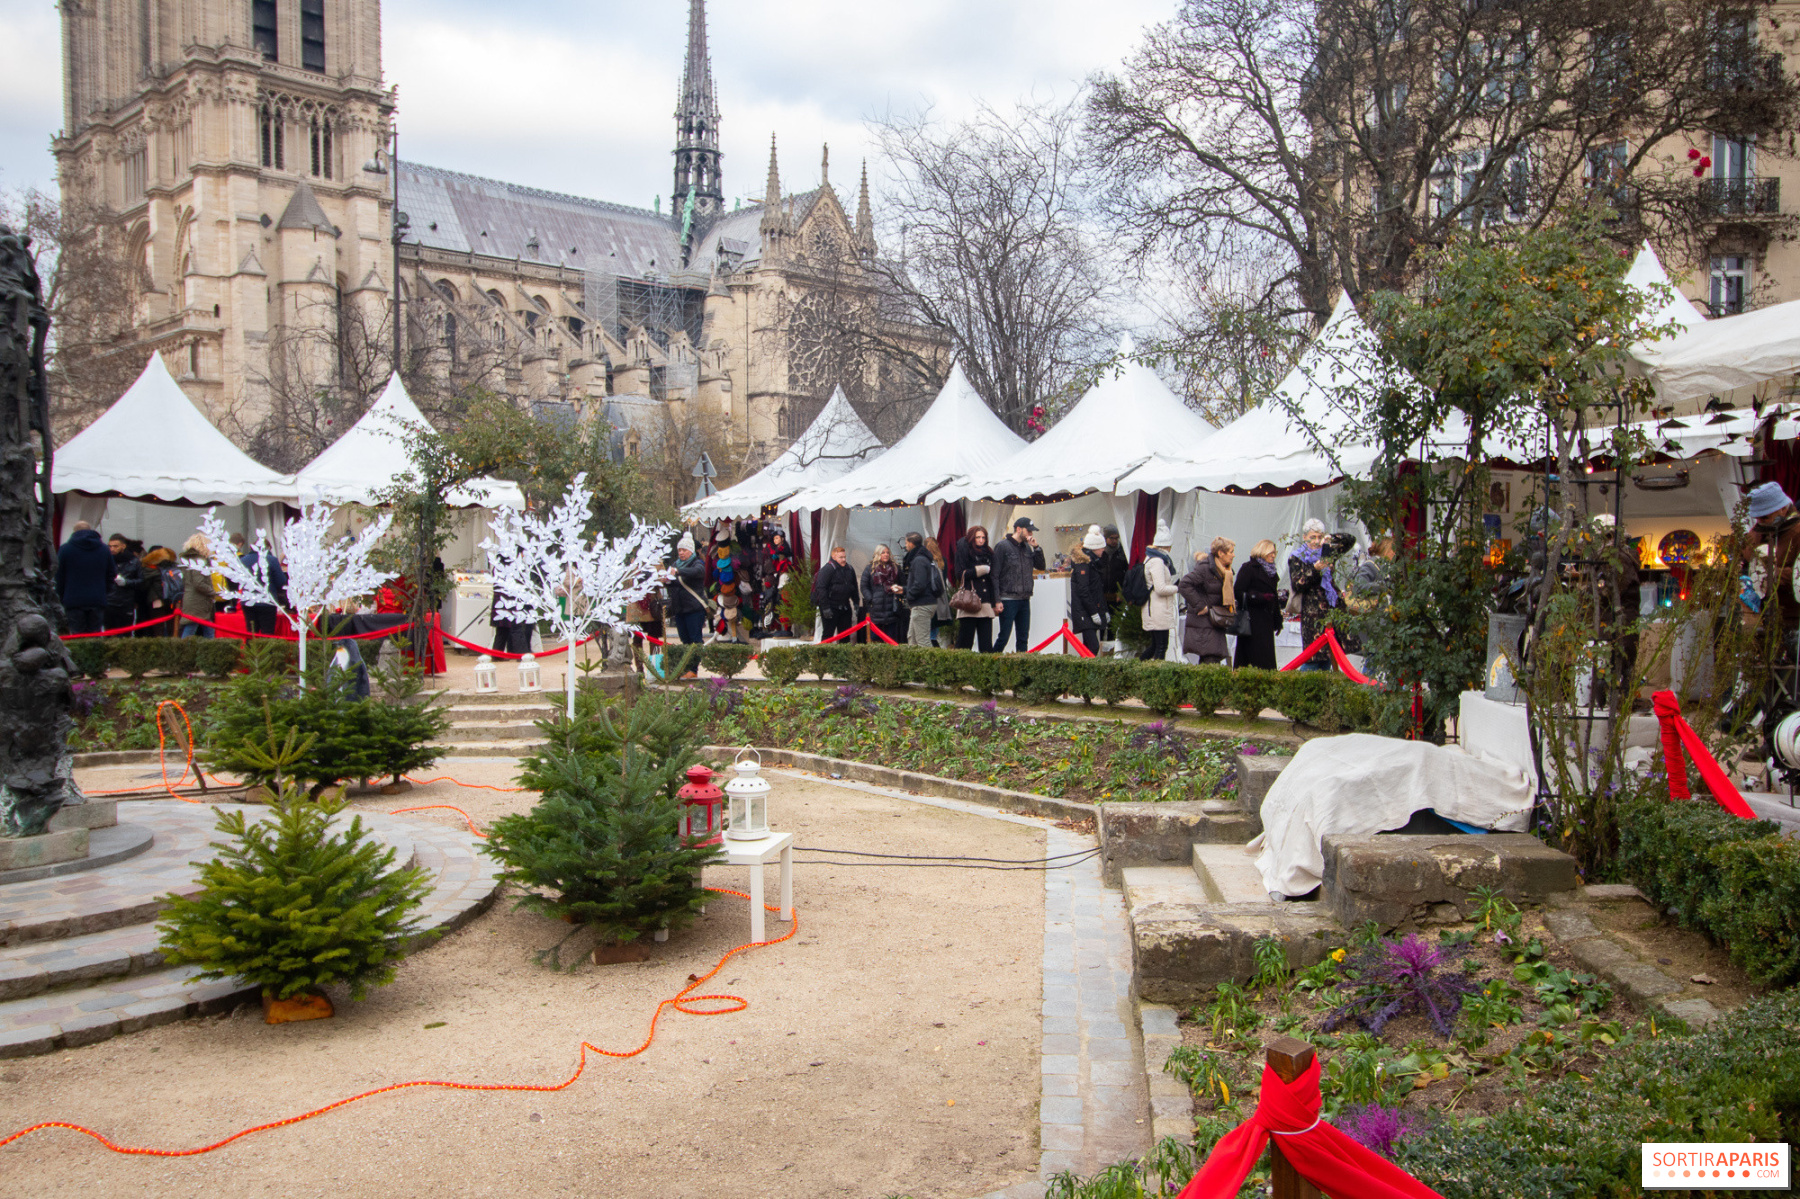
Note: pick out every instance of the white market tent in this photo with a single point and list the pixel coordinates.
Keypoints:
(1725, 356)
(1119, 424)
(1671, 306)
(371, 457)
(836, 443)
(155, 444)
(958, 435)
(151, 456)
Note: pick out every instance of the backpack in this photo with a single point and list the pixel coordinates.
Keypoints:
(172, 585)
(1136, 587)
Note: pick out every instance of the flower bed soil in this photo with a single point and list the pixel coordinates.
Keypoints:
(1086, 761)
(120, 713)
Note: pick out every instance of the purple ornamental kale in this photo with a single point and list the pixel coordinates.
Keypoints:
(1378, 1129)
(850, 701)
(724, 691)
(1164, 741)
(1395, 976)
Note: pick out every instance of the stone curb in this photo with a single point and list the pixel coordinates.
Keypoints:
(1641, 981)
(924, 784)
(116, 757)
(1171, 1103)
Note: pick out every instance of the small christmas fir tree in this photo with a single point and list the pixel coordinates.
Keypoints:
(603, 847)
(293, 904)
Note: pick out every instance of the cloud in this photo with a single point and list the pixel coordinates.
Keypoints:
(580, 96)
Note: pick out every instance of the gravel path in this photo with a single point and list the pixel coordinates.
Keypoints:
(891, 1047)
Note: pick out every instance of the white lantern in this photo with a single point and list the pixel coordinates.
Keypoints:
(487, 675)
(747, 797)
(529, 677)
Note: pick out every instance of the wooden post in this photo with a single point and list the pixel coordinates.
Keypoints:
(1289, 1058)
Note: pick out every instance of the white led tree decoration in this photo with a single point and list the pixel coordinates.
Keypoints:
(321, 570)
(538, 564)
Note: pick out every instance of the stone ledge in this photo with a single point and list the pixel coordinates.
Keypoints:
(1401, 881)
(1171, 1103)
(924, 784)
(20, 855)
(1151, 834)
(1185, 950)
(1256, 773)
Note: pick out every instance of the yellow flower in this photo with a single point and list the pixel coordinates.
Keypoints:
(1337, 955)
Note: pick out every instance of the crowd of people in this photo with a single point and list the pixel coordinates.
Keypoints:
(977, 594)
(116, 584)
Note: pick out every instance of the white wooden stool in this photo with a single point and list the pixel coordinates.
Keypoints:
(756, 854)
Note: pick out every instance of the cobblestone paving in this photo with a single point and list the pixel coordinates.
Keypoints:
(45, 1010)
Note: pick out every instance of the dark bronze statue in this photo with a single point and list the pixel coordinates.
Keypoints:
(35, 670)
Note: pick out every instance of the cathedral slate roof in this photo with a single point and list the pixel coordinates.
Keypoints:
(303, 211)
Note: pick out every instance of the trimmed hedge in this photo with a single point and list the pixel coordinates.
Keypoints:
(1325, 701)
(139, 656)
(1736, 880)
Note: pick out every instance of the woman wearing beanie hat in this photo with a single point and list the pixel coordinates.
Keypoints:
(1159, 610)
(1087, 590)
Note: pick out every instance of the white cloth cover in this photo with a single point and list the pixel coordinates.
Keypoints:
(836, 443)
(1122, 420)
(371, 456)
(1361, 784)
(958, 435)
(154, 443)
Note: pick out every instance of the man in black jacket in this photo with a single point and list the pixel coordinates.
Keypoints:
(835, 594)
(84, 568)
(1113, 565)
(924, 587)
(1015, 558)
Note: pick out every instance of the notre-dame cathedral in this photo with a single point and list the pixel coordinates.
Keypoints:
(243, 150)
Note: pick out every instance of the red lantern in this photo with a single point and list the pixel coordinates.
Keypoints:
(702, 808)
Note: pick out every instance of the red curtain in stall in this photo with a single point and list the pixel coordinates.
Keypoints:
(1145, 527)
(950, 530)
(796, 543)
(818, 519)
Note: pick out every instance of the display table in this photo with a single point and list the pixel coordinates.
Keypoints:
(756, 854)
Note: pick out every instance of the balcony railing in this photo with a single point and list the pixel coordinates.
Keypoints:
(1740, 197)
(1744, 71)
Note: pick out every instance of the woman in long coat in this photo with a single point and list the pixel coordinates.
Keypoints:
(1087, 590)
(1207, 590)
(975, 570)
(1258, 595)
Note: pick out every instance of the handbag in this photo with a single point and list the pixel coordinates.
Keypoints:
(1221, 618)
(940, 608)
(1243, 621)
(966, 601)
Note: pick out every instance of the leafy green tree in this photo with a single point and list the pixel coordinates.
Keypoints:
(293, 904)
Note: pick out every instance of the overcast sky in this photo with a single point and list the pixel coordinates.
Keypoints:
(579, 95)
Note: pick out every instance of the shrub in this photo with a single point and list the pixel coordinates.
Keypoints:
(92, 655)
(603, 846)
(796, 603)
(217, 658)
(728, 661)
(1253, 690)
(290, 905)
(1736, 880)
(138, 656)
(1163, 686)
(781, 664)
(181, 655)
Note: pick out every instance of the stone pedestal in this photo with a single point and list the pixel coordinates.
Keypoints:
(1256, 774)
(46, 849)
(1397, 881)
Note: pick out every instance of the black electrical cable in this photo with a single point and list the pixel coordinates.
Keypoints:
(940, 857)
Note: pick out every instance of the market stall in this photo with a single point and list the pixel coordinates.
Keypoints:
(151, 459)
(834, 444)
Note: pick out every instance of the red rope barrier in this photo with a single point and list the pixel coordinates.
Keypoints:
(1066, 634)
(865, 623)
(130, 628)
(496, 653)
(1328, 640)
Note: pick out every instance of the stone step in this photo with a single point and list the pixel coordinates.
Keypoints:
(503, 697)
(493, 730)
(39, 966)
(90, 814)
(112, 843)
(1228, 874)
(489, 749)
(482, 712)
(464, 886)
(1185, 945)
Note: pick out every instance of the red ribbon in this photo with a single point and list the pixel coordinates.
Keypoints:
(117, 632)
(1064, 633)
(496, 653)
(1328, 639)
(236, 634)
(1320, 1153)
(1676, 733)
(864, 623)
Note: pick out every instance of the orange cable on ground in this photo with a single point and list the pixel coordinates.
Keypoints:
(678, 1002)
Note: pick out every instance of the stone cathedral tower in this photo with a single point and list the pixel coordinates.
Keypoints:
(229, 138)
(697, 153)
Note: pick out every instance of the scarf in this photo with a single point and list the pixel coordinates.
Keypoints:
(883, 574)
(1311, 553)
(1227, 598)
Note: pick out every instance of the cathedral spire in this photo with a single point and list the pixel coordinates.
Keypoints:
(772, 223)
(697, 156)
(865, 216)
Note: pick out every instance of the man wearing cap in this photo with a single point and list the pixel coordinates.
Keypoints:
(1015, 558)
(1776, 525)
